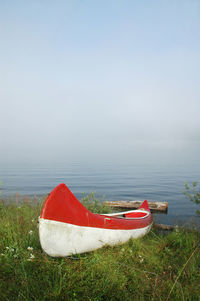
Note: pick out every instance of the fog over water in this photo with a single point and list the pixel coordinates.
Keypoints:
(94, 84)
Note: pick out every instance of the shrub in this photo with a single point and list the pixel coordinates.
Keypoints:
(193, 193)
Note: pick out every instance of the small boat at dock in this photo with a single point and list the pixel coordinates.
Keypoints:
(66, 227)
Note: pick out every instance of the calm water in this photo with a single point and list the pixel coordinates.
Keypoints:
(111, 182)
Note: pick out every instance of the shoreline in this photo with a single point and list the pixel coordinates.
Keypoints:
(187, 220)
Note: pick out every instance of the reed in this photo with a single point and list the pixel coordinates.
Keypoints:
(155, 267)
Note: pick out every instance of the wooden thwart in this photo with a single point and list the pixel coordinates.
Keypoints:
(153, 206)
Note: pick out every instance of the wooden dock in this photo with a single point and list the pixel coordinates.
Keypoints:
(161, 207)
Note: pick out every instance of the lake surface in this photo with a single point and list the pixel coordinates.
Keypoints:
(157, 182)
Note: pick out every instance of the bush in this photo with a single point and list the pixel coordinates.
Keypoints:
(193, 193)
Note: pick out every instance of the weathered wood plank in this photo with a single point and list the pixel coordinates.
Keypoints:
(165, 227)
(154, 206)
(175, 227)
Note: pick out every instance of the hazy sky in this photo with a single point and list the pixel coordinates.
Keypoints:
(99, 79)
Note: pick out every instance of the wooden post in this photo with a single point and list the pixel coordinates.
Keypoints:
(153, 206)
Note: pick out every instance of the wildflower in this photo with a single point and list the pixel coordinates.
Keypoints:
(30, 249)
(2, 254)
(141, 259)
(30, 232)
(31, 257)
(12, 250)
(7, 248)
(33, 220)
(176, 229)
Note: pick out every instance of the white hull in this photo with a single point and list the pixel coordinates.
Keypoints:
(59, 239)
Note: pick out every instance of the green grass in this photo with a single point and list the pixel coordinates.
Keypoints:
(156, 267)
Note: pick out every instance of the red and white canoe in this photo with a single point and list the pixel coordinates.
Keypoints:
(66, 227)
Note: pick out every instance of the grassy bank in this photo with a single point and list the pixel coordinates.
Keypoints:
(156, 267)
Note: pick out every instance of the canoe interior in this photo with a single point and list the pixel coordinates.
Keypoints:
(129, 214)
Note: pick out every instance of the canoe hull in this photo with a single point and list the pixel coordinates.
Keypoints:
(66, 227)
(59, 239)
